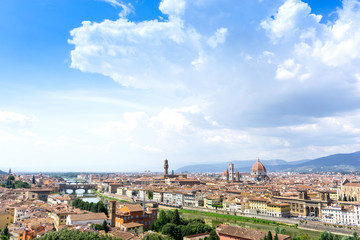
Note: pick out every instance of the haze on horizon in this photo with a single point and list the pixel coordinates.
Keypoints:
(120, 85)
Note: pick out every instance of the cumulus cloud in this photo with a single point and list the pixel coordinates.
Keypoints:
(172, 7)
(291, 19)
(118, 48)
(218, 37)
(241, 85)
(287, 70)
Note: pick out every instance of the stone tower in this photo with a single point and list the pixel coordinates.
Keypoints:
(231, 172)
(112, 211)
(166, 167)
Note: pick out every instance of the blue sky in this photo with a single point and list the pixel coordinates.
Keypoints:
(114, 85)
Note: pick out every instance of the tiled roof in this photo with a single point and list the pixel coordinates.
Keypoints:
(88, 216)
(245, 233)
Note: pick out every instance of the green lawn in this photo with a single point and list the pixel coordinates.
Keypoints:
(215, 219)
(109, 198)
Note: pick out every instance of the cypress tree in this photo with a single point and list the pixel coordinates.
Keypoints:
(176, 218)
(276, 237)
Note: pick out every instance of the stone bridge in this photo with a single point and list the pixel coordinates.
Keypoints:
(64, 186)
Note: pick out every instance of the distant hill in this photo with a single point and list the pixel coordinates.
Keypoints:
(240, 166)
(336, 162)
(3, 173)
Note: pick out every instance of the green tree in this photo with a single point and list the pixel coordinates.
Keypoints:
(21, 184)
(161, 221)
(105, 226)
(213, 235)
(11, 178)
(344, 199)
(150, 194)
(172, 230)
(156, 236)
(276, 237)
(93, 208)
(269, 236)
(326, 236)
(176, 218)
(33, 180)
(75, 235)
(6, 231)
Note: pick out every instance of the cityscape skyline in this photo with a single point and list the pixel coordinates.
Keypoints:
(102, 85)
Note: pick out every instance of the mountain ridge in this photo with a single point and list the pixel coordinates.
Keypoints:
(334, 162)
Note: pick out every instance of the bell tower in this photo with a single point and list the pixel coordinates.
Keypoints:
(112, 211)
(166, 167)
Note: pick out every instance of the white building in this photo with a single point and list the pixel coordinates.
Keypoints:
(340, 215)
(168, 198)
(179, 199)
(234, 207)
(190, 200)
(158, 196)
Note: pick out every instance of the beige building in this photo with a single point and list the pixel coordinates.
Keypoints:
(6, 217)
(304, 205)
(258, 206)
(349, 191)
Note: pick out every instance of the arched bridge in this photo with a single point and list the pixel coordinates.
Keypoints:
(64, 186)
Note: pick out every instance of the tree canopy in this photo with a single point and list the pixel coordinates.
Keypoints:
(75, 235)
(171, 224)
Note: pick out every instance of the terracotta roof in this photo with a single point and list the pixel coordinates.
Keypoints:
(198, 235)
(352, 184)
(134, 207)
(88, 216)
(278, 204)
(132, 225)
(258, 167)
(122, 235)
(246, 233)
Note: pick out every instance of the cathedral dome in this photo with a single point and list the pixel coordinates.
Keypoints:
(258, 168)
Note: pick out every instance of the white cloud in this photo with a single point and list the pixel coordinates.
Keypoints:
(241, 107)
(219, 37)
(292, 16)
(28, 133)
(172, 7)
(340, 44)
(126, 8)
(16, 119)
(287, 70)
(173, 119)
(129, 123)
(113, 3)
(129, 46)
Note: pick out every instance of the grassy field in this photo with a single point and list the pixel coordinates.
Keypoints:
(215, 219)
(235, 218)
(109, 198)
